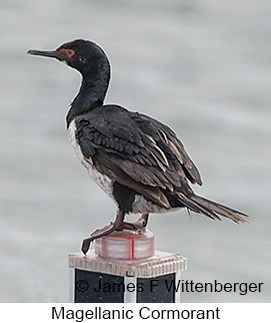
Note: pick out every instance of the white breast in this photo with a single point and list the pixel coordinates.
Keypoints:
(140, 204)
(102, 180)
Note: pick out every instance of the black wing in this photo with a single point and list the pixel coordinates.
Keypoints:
(135, 150)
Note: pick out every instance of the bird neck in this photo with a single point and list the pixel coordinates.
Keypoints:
(91, 94)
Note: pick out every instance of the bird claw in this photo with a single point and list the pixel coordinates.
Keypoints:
(118, 225)
(137, 226)
(96, 235)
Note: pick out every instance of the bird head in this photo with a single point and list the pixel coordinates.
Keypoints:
(83, 55)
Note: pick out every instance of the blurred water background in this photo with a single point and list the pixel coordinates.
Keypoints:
(203, 68)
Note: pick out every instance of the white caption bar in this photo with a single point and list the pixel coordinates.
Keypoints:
(65, 312)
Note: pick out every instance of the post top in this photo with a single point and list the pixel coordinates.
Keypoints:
(129, 254)
(126, 245)
(161, 263)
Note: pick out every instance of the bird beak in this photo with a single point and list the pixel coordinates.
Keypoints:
(51, 53)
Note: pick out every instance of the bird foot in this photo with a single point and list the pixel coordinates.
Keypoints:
(96, 235)
(113, 226)
(117, 225)
(139, 225)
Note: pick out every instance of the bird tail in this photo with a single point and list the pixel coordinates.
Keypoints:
(211, 209)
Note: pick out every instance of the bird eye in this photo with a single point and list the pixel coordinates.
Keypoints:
(82, 59)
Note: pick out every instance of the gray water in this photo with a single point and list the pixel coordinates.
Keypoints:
(203, 68)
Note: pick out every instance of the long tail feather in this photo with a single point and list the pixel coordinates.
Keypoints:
(211, 209)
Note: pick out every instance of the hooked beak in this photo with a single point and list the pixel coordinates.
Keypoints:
(49, 53)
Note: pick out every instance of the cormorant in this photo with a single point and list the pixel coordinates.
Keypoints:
(138, 161)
